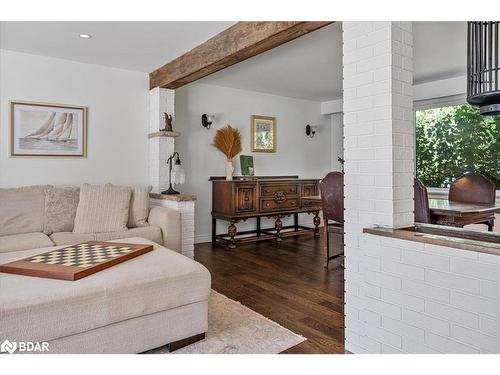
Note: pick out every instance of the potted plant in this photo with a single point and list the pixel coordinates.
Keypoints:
(228, 141)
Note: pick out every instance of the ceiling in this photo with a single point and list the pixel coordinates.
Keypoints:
(309, 67)
(140, 46)
(440, 50)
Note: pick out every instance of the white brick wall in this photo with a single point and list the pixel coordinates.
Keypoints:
(401, 296)
(446, 311)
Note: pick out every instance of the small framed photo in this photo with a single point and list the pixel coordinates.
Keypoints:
(39, 129)
(246, 164)
(263, 129)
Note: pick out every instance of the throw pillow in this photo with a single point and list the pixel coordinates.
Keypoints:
(139, 207)
(22, 209)
(60, 209)
(102, 209)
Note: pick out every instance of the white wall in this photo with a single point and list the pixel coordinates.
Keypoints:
(296, 154)
(117, 104)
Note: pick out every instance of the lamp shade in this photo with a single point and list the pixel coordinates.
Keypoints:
(178, 175)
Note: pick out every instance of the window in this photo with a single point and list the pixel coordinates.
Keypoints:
(452, 140)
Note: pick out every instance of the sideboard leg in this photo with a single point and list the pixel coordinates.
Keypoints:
(258, 227)
(317, 222)
(231, 231)
(214, 230)
(278, 225)
(491, 225)
(296, 221)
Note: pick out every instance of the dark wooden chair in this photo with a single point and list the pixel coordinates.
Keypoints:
(474, 188)
(421, 209)
(332, 201)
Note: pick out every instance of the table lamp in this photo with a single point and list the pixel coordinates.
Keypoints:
(178, 177)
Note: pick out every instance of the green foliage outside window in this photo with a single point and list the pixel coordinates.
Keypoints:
(453, 140)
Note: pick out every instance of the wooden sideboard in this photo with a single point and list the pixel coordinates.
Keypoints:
(274, 197)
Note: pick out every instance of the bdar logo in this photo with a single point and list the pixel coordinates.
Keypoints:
(8, 346)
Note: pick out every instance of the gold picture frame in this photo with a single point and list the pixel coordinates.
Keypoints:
(263, 130)
(47, 130)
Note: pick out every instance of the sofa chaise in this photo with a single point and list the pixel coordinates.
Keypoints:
(158, 298)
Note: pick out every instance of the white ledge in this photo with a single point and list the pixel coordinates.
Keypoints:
(164, 134)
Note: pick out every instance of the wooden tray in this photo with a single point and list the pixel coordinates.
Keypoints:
(77, 261)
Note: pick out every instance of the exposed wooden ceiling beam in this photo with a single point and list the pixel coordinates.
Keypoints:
(233, 45)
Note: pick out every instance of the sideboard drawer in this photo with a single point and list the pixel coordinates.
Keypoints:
(309, 204)
(267, 205)
(309, 190)
(267, 190)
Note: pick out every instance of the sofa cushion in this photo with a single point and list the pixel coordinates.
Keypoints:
(151, 233)
(69, 238)
(39, 309)
(22, 209)
(139, 207)
(24, 241)
(102, 209)
(60, 209)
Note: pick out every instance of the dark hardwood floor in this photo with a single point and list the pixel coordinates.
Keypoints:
(287, 284)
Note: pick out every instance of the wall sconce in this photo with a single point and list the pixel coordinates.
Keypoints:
(206, 120)
(310, 131)
(179, 176)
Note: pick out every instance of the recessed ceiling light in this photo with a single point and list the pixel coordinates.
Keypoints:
(85, 36)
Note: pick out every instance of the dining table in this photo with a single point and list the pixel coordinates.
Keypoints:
(449, 213)
(458, 214)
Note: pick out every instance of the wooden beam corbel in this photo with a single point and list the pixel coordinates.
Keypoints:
(233, 45)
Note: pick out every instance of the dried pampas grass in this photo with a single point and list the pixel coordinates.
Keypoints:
(228, 141)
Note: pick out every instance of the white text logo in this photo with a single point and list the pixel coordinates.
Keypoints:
(24, 346)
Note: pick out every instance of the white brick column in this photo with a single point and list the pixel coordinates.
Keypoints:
(160, 148)
(378, 149)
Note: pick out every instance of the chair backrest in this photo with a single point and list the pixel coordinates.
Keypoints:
(421, 209)
(332, 196)
(472, 188)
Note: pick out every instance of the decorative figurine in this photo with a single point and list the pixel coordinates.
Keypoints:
(168, 122)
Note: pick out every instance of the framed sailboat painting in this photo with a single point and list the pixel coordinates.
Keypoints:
(39, 129)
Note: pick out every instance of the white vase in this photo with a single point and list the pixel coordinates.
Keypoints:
(229, 170)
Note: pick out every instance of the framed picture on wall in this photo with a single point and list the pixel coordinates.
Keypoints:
(263, 130)
(40, 129)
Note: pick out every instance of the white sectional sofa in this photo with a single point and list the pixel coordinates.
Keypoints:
(155, 299)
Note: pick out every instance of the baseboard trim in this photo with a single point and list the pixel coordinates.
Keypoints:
(202, 239)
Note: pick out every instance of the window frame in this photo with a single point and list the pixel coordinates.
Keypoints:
(420, 105)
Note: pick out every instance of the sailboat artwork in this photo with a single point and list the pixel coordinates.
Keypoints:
(47, 130)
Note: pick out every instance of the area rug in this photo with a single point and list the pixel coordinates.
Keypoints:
(236, 329)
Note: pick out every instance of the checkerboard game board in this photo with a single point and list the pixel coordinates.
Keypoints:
(77, 261)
